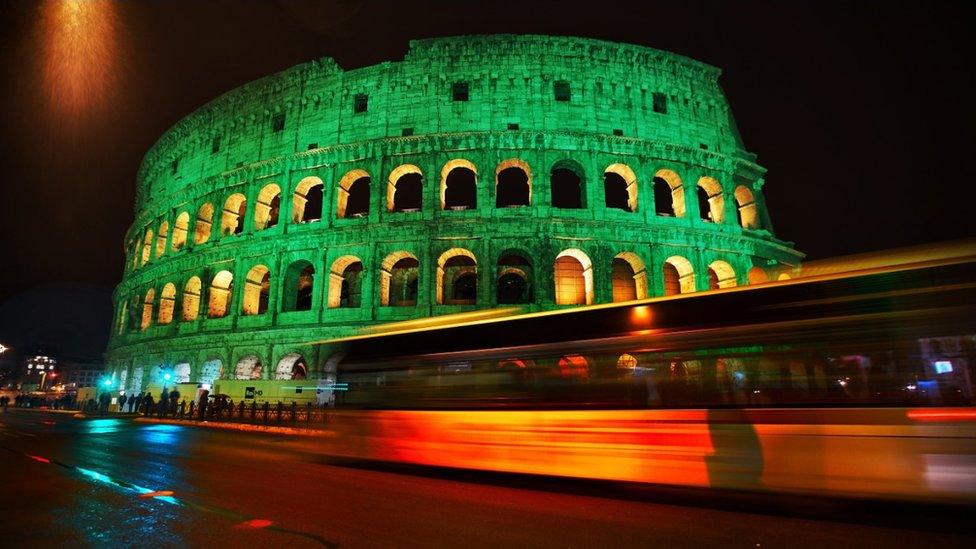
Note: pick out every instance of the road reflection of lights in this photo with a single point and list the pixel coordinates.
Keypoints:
(253, 524)
(143, 492)
(102, 426)
(160, 434)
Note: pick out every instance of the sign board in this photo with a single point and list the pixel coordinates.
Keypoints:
(248, 392)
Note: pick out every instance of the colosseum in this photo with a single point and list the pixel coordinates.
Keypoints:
(481, 171)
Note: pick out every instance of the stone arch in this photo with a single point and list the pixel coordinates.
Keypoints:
(210, 370)
(404, 189)
(191, 298)
(353, 194)
(721, 275)
(513, 183)
(257, 289)
(679, 276)
(291, 366)
(620, 187)
(167, 302)
(268, 207)
(181, 228)
(307, 203)
(233, 215)
(135, 382)
(673, 181)
(515, 278)
(148, 305)
(710, 195)
(575, 366)
(629, 277)
(147, 246)
(161, 237)
(204, 223)
(784, 276)
(451, 266)
(221, 288)
(746, 208)
(298, 286)
(345, 282)
(757, 276)
(181, 374)
(459, 185)
(573, 278)
(399, 275)
(248, 367)
(567, 185)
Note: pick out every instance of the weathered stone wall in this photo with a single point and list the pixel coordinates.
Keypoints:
(302, 123)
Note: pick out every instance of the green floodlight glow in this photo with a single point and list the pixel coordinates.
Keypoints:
(107, 383)
(167, 376)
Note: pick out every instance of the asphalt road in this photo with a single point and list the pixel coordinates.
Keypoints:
(107, 482)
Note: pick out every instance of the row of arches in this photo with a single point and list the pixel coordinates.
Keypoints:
(458, 191)
(456, 283)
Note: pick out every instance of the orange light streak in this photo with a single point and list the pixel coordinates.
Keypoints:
(941, 414)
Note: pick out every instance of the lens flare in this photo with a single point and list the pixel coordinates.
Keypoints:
(79, 44)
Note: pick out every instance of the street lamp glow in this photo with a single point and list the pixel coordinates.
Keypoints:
(3, 348)
(107, 383)
(167, 376)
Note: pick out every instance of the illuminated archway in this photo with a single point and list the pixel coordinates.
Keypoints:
(398, 280)
(191, 298)
(161, 237)
(757, 276)
(268, 207)
(180, 230)
(291, 366)
(204, 224)
(345, 282)
(620, 187)
(298, 285)
(147, 308)
(573, 273)
(574, 366)
(746, 204)
(566, 185)
(629, 277)
(404, 189)
(459, 185)
(513, 184)
(515, 278)
(721, 275)
(257, 289)
(248, 368)
(218, 303)
(307, 201)
(671, 179)
(452, 267)
(167, 302)
(710, 194)
(679, 276)
(233, 215)
(147, 246)
(353, 199)
(210, 370)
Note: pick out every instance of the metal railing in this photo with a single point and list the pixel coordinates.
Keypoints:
(264, 413)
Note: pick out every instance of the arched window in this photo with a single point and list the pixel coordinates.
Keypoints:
(191, 298)
(147, 246)
(291, 366)
(218, 304)
(515, 278)
(204, 224)
(566, 185)
(257, 288)
(161, 239)
(298, 285)
(248, 368)
(147, 308)
(720, 275)
(398, 280)
(167, 302)
(679, 276)
(573, 278)
(459, 185)
(180, 229)
(676, 202)
(232, 218)
(746, 208)
(135, 312)
(710, 201)
(629, 277)
(353, 199)
(457, 282)
(404, 189)
(306, 204)
(513, 184)
(757, 276)
(268, 207)
(346, 283)
(620, 187)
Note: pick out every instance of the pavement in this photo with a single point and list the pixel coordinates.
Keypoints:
(119, 482)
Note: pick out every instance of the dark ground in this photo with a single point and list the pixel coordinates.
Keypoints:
(225, 484)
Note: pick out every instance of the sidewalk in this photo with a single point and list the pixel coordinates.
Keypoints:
(242, 427)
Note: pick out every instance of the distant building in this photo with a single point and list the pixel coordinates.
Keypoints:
(80, 374)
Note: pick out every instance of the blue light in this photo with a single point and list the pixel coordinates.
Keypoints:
(167, 376)
(942, 366)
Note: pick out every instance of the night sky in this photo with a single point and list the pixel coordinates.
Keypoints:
(862, 113)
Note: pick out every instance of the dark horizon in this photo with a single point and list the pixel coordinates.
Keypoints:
(862, 115)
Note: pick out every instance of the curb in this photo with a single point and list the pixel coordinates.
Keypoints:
(242, 427)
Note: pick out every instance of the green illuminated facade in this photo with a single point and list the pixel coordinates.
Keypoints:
(479, 171)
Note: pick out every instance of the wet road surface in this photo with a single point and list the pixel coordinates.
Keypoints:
(112, 482)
